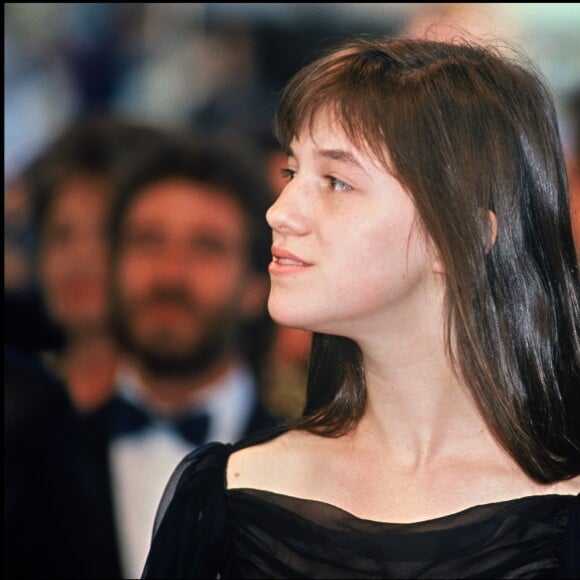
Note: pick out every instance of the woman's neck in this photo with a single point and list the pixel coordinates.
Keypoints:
(88, 367)
(417, 405)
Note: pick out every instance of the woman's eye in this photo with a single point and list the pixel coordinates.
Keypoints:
(338, 185)
(287, 173)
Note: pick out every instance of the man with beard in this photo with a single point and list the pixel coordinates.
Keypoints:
(62, 315)
(188, 292)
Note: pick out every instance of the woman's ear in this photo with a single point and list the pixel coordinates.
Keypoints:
(491, 222)
(491, 218)
(438, 267)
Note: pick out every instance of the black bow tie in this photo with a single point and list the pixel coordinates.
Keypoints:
(125, 418)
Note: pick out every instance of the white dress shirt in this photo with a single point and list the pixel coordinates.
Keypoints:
(142, 463)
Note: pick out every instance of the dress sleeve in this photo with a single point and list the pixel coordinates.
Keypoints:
(570, 557)
(189, 533)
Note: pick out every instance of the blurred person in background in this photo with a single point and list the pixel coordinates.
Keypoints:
(188, 290)
(285, 387)
(27, 326)
(69, 187)
(452, 21)
(49, 507)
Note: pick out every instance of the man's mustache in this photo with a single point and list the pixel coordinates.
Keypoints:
(169, 297)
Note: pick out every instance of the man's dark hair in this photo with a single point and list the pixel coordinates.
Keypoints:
(236, 172)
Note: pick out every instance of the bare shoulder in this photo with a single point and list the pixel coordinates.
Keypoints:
(567, 486)
(270, 465)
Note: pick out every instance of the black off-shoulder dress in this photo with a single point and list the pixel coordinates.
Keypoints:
(204, 530)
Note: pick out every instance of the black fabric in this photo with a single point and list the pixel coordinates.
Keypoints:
(128, 418)
(276, 536)
(97, 437)
(203, 530)
(49, 512)
(27, 326)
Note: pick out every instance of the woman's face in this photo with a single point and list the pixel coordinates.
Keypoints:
(349, 256)
(73, 256)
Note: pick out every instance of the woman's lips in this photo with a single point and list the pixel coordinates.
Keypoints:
(284, 262)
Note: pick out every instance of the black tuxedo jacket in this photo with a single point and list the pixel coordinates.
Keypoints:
(98, 437)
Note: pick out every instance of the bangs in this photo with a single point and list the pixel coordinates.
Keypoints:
(353, 98)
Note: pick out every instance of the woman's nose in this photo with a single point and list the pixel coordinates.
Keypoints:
(287, 213)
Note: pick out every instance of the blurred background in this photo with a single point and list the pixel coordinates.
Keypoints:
(215, 65)
(212, 68)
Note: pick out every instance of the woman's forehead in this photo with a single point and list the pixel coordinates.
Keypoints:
(327, 131)
(324, 130)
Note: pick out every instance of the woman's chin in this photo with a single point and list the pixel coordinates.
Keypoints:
(283, 317)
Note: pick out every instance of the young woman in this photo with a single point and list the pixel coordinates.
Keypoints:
(424, 237)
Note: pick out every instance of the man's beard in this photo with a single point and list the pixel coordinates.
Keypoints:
(159, 357)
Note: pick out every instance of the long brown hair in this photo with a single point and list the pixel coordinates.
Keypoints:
(465, 129)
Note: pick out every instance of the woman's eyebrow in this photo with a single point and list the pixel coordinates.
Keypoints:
(340, 155)
(343, 156)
